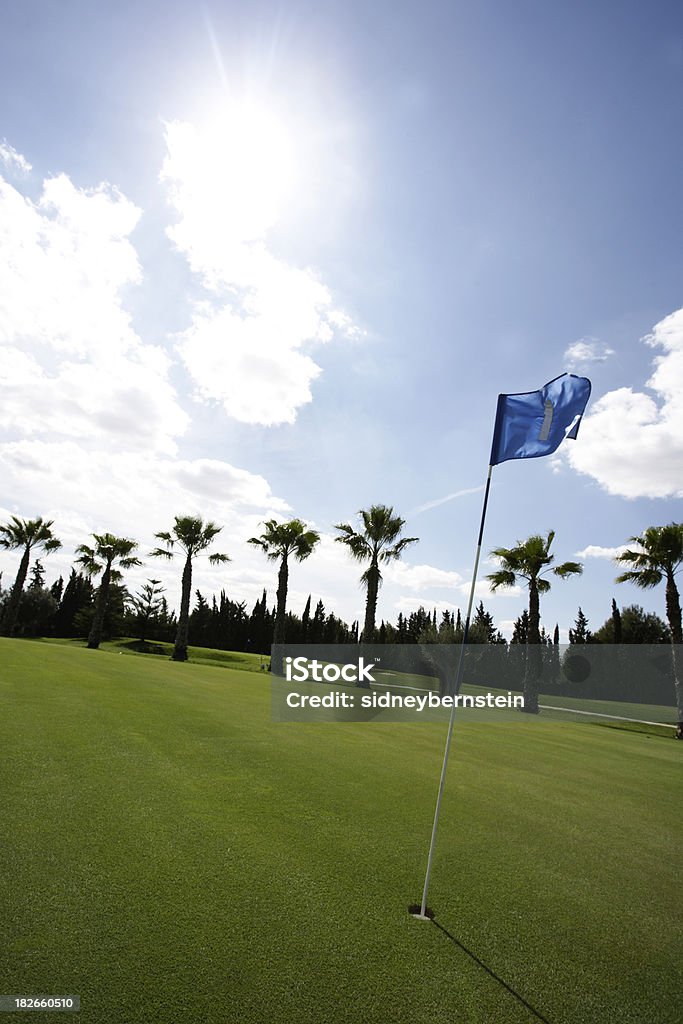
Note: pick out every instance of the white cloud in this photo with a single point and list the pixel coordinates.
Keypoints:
(12, 160)
(631, 442)
(483, 591)
(123, 396)
(420, 577)
(131, 489)
(137, 494)
(65, 261)
(247, 364)
(408, 605)
(586, 350)
(506, 627)
(221, 482)
(247, 344)
(89, 417)
(71, 364)
(596, 551)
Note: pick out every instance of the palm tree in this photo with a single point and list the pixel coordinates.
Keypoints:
(279, 541)
(28, 534)
(659, 557)
(107, 550)
(378, 541)
(193, 536)
(530, 560)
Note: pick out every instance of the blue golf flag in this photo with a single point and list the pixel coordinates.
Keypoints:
(535, 423)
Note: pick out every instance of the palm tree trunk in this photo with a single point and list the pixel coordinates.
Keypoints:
(368, 634)
(95, 635)
(12, 610)
(371, 604)
(532, 673)
(673, 614)
(280, 615)
(673, 609)
(182, 634)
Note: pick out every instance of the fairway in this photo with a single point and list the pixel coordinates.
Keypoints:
(171, 855)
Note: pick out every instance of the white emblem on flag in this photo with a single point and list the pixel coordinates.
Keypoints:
(547, 421)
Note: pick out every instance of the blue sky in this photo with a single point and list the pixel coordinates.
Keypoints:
(329, 235)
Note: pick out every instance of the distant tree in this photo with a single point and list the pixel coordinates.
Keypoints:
(657, 557)
(78, 594)
(193, 537)
(200, 621)
(419, 622)
(280, 542)
(520, 630)
(305, 619)
(37, 576)
(378, 541)
(107, 551)
(637, 627)
(617, 631)
(554, 665)
(26, 535)
(260, 629)
(37, 610)
(483, 629)
(57, 589)
(113, 621)
(531, 560)
(146, 607)
(168, 622)
(580, 634)
(317, 624)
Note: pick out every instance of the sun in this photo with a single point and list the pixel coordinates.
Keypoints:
(235, 167)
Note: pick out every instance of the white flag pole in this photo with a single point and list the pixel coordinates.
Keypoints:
(422, 916)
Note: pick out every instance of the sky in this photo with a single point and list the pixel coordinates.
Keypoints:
(279, 259)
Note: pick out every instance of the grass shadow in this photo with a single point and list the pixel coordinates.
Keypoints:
(496, 977)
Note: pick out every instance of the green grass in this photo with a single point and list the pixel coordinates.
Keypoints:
(172, 855)
(160, 648)
(664, 713)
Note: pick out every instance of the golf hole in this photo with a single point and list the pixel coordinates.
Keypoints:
(415, 910)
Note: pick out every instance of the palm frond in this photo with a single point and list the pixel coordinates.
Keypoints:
(86, 558)
(305, 544)
(217, 557)
(129, 562)
(568, 569)
(394, 553)
(643, 578)
(366, 576)
(659, 548)
(358, 545)
(502, 578)
(161, 553)
(29, 533)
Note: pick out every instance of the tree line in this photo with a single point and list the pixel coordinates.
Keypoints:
(656, 557)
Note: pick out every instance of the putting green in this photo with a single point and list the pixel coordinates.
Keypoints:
(170, 854)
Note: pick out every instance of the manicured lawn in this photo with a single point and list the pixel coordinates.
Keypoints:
(171, 855)
(226, 659)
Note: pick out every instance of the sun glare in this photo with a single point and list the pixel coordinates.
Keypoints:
(240, 164)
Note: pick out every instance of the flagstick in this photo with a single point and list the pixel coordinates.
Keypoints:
(422, 916)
